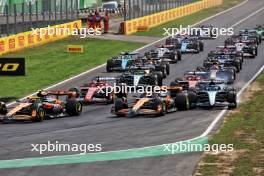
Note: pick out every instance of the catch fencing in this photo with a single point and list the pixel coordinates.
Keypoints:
(19, 17)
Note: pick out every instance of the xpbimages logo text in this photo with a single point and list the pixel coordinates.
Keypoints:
(82, 32)
(198, 31)
(140, 89)
(197, 147)
(63, 147)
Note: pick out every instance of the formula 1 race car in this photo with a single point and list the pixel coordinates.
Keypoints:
(45, 105)
(186, 44)
(122, 62)
(30, 109)
(168, 52)
(141, 78)
(260, 30)
(154, 104)
(153, 65)
(246, 44)
(252, 34)
(96, 91)
(243, 38)
(219, 72)
(215, 94)
(191, 79)
(230, 50)
(225, 60)
(245, 47)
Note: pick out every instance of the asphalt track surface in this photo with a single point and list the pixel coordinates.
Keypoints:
(97, 125)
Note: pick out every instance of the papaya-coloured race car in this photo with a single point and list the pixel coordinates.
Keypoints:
(43, 106)
(156, 104)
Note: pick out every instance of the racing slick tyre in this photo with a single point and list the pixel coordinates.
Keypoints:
(160, 82)
(201, 46)
(260, 40)
(162, 105)
(159, 79)
(76, 91)
(73, 107)
(173, 93)
(182, 102)
(174, 59)
(232, 99)
(197, 47)
(192, 96)
(179, 55)
(119, 105)
(153, 81)
(233, 71)
(167, 69)
(162, 69)
(109, 96)
(242, 58)
(3, 109)
(238, 66)
(254, 53)
(109, 66)
(40, 114)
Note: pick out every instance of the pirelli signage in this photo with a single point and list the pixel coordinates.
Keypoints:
(12, 66)
(75, 48)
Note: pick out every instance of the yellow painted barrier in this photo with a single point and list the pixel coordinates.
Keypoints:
(131, 26)
(30, 38)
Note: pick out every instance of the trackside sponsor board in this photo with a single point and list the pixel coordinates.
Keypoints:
(142, 28)
(35, 37)
(131, 26)
(12, 66)
(75, 48)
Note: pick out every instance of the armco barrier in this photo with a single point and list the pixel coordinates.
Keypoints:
(30, 39)
(131, 26)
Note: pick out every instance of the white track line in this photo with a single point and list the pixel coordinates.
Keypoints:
(88, 71)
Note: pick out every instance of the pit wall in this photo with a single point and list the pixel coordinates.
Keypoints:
(131, 26)
(30, 39)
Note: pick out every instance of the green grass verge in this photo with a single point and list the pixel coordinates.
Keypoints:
(189, 20)
(50, 63)
(245, 129)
